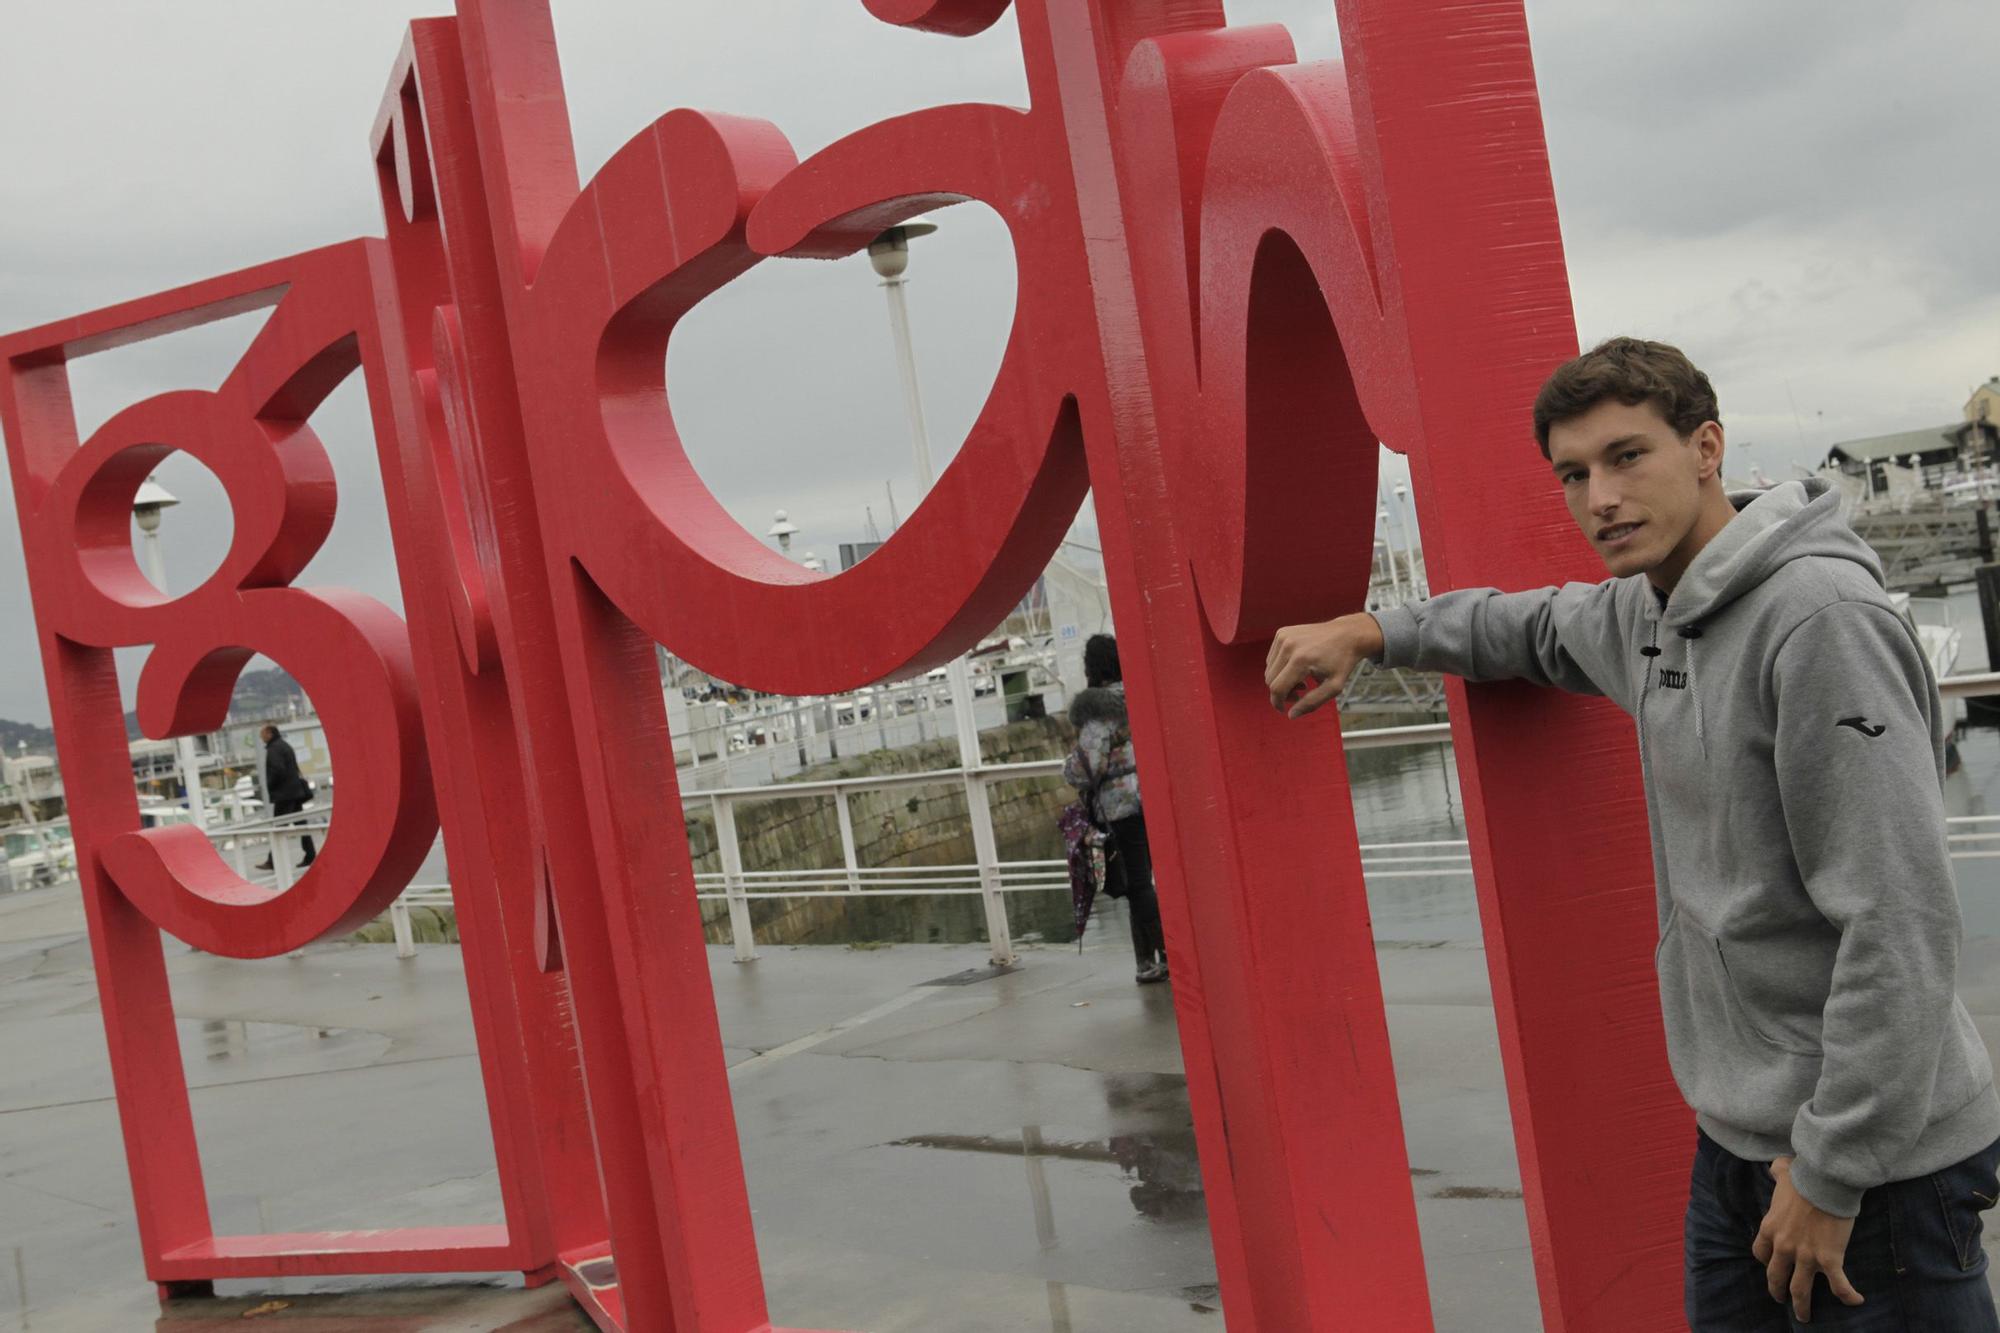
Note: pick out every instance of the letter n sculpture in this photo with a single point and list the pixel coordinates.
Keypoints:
(1239, 272)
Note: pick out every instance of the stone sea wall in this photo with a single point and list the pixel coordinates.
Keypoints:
(901, 827)
(906, 826)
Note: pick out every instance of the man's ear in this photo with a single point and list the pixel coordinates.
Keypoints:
(1708, 441)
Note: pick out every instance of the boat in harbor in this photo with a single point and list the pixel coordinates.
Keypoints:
(39, 855)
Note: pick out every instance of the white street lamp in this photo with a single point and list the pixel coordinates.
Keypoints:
(151, 501)
(1418, 588)
(783, 529)
(890, 254)
(1388, 548)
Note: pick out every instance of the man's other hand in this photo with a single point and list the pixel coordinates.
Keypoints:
(1797, 1243)
(1310, 664)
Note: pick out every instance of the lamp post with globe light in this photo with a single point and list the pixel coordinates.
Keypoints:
(1419, 588)
(1389, 554)
(890, 255)
(151, 501)
(784, 530)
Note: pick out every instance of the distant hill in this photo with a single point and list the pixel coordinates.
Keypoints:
(267, 693)
(40, 739)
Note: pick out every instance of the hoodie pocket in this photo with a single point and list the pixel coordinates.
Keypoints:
(1726, 1063)
(1763, 1030)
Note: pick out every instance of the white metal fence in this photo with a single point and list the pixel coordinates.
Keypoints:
(1972, 837)
(279, 838)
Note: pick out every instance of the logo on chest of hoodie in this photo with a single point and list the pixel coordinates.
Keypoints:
(1672, 678)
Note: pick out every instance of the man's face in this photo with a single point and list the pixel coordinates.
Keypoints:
(269, 734)
(1631, 483)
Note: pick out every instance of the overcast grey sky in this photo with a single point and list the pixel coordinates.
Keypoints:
(1803, 193)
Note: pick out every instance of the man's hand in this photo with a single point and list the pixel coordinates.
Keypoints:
(1797, 1242)
(1315, 661)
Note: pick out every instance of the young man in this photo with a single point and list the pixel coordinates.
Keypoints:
(1791, 743)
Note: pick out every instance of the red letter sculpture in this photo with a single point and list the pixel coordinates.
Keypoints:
(1239, 273)
(351, 654)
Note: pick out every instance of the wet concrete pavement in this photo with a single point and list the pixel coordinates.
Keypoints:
(1011, 1154)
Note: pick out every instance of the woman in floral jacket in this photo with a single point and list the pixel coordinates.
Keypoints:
(1103, 771)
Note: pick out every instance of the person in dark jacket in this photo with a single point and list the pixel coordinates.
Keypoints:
(286, 786)
(1102, 769)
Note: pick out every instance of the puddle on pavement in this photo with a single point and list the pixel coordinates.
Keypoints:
(234, 1047)
(1144, 1135)
(1158, 1162)
(1163, 1168)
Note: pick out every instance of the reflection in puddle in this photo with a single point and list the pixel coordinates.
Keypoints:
(1166, 1174)
(1045, 1221)
(1161, 1164)
(231, 1041)
(220, 1039)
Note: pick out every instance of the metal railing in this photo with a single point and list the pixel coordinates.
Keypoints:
(993, 879)
(1459, 860)
(278, 836)
(417, 895)
(769, 742)
(1970, 687)
(987, 876)
(1972, 837)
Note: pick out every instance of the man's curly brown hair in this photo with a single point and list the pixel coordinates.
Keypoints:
(1633, 371)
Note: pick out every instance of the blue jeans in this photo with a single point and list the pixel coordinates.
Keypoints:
(1915, 1254)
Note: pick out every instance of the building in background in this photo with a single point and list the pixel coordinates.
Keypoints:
(1926, 459)
(1078, 605)
(1931, 458)
(853, 553)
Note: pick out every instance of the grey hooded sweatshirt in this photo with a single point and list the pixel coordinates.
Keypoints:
(1792, 746)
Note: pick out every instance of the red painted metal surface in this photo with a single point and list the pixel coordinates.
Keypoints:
(1238, 273)
(352, 654)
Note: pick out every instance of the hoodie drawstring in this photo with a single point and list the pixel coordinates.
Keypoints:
(1691, 633)
(1650, 653)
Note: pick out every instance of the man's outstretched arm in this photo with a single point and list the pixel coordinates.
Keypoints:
(1475, 633)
